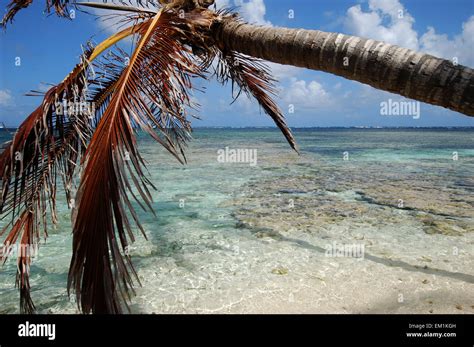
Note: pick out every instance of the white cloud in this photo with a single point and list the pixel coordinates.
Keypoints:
(306, 94)
(253, 11)
(243, 105)
(5, 97)
(246, 104)
(390, 7)
(282, 72)
(461, 47)
(389, 21)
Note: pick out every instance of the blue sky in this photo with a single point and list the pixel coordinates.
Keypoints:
(49, 47)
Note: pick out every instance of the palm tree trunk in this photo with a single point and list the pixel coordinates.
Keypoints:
(383, 66)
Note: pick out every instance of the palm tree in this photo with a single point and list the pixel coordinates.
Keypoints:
(177, 42)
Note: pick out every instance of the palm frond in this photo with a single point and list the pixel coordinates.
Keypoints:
(252, 77)
(246, 74)
(47, 144)
(116, 7)
(61, 7)
(12, 9)
(150, 93)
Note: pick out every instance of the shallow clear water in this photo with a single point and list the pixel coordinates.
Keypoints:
(232, 237)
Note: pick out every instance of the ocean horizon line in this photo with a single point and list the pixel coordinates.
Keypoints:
(335, 127)
(11, 128)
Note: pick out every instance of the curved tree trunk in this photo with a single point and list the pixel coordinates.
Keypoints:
(383, 66)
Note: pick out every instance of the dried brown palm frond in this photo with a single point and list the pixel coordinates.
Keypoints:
(50, 130)
(47, 145)
(252, 77)
(61, 7)
(12, 9)
(24, 229)
(106, 73)
(150, 93)
(149, 90)
(246, 74)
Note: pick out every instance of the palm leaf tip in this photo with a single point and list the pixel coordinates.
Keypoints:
(116, 7)
(15, 6)
(252, 77)
(12, 9)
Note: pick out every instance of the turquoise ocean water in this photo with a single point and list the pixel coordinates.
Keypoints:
(236, 237)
